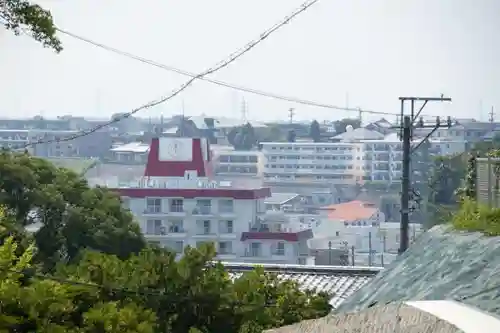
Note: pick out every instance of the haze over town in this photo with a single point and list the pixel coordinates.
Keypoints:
(417, 47)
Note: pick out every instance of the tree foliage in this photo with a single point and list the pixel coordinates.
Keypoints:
(72, 215)
(446, 179)
(341, 125)
(315, 131)
(243, 137)
(291, 136)
(473, 216)
(148, 292)
(25, 16)
(88, 270)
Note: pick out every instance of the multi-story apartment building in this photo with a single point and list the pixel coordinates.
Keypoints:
(176, 205)
(229, 162)
(130, 153)
(310, 161)
(352, 160)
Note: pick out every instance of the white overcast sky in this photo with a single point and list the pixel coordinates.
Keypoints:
(372, 50)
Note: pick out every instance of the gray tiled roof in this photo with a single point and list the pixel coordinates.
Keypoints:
(339, 281)
(441, 264)
(280, 198)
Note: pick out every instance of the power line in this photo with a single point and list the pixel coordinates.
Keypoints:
(221, 83)
(218, 66)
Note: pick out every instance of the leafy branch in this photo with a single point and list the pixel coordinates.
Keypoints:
(23, 16)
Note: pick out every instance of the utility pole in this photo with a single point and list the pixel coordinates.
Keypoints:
(492, 115)
(291, 114)
(409, 122)
(244, 110)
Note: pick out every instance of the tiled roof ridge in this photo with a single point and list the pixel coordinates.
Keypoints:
(298, 269)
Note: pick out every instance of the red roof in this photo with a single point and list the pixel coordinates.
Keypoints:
(284, 236)
(196, 162)
(350, 211)
(248, 194)
(157, 168)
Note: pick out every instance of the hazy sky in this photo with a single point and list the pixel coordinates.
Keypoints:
(374, 50)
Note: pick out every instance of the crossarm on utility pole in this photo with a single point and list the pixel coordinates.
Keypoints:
(425, 139)
(420, 111)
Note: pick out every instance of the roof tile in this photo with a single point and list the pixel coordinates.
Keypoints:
(350, 211)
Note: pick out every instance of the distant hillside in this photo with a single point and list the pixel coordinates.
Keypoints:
(441, 264)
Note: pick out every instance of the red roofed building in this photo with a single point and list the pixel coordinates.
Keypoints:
(178, 204)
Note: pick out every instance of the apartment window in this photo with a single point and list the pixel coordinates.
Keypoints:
(175, 226)
(255, 249)
(203, 207)
(177, 205)
(279, 249)
(203, 227)
(154, 227)
(225, 247)
(226, 227)
(175, 246)
(226, 206)
(153, 205)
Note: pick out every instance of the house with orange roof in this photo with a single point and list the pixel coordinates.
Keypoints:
(353, 213)
(350, 224)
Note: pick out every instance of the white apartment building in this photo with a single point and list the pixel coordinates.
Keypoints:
(310, 162)
(381, 160)
(229, 162)
(360, 225)
(353, 160)
(133, 152)
(176, 205)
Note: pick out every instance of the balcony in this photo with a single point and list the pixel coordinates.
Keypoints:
(253, 253)
(177, 210)
(169, 231)
(202, 210)
(153, 210)
(226, 210)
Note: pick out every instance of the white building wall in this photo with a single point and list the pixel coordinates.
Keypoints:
(385, 238)
(243, 216)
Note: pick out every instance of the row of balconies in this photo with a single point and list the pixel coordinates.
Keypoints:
(200, 210)
(255, 249)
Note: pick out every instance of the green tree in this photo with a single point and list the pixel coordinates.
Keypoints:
(291, 136)
(341, 125)
(72, 215)
(271, 133)
(243, 137)
(445, 181)
(46, 305)
(196, 294)
(25, 16)
(315, 131)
